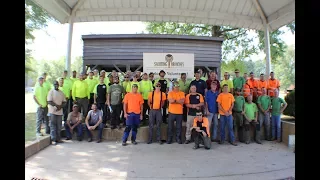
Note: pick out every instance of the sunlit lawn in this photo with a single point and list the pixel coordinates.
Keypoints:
(30, 118)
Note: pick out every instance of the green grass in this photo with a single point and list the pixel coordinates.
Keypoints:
(30, 127)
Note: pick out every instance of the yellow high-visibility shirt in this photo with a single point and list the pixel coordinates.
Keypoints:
(80, 90)
(91, 84)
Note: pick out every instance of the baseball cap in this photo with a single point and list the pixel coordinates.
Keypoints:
(134, 85)
(176, 84)
(236, 71)
(251, 73)
(40, 78)
(158, 84)
(75, 105)
(197, 71)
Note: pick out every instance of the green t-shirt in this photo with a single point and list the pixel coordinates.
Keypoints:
(264, 101)
(115, 91)
(238, 82)
(183, 86)
(250, 110)
(239, 103)
(66, 90)
(146, 87)
(276, 105)
(41, 93)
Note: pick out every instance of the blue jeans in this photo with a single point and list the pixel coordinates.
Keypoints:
(213, 125)
(78, 128)
(276, 126)
(223, 121)
(132, 122)
(100, 128)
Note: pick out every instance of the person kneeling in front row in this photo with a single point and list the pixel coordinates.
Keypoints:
(94, 120)
(200, 131)
(74, 122)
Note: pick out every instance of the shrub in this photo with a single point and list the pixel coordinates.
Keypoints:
(290, 99)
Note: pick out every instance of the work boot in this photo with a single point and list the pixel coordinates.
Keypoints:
(187, 142)
(247, 137)
(258, 137)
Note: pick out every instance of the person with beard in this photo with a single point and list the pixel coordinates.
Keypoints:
(165, 84)
(115, 92)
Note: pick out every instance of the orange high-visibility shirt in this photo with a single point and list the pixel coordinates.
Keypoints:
(262, 84)
(272, 85)
(253, 84)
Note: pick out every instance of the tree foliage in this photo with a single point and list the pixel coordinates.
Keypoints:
(237, 43)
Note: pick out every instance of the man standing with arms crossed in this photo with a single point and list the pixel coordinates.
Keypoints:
(156, 99)
(176, 100)
(264, 104)
(81, 94)
(165, 84)
(278, 106)
(225, 102)
(40, 97)
(194, 102)
(56, 101)
(146, 87)
(132, 108)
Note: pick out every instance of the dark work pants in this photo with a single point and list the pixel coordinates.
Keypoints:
(115, 115)
(102, 107)
(42, 116)
(133, 121)
(91, 101)
(145, 109)
(70, 104)
(77, 128)
(185, 110)
(65, 111)
(155, 117)
(200, 139)
(100, 128)
(55, 127)
(83, 105)
(164, 112)
(171, 119)
(122, 117)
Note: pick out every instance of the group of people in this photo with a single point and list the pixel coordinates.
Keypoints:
(200, 102)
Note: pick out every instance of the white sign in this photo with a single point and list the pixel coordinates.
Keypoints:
(172, 63)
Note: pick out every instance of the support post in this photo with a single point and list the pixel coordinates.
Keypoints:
(68, 55)
(138, 68)
(127, 67)
(267, 49)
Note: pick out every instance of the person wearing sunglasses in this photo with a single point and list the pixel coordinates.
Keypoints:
(200, 131)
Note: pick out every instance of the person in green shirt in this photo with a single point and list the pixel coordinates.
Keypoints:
(146, 87)
(251, 117)
(96, 74)
(66, 91)
(184, 83)
(81, 94)
(114, 101)
(238, 111)
(46, 83)
(264, 104)
(92, 82)
(126, 81)
(74, 78)
(228, 82)
(134, 81)
(238, 81)
(278, 105)
(40, 97)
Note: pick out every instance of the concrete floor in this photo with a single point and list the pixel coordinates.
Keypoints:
(110, 160)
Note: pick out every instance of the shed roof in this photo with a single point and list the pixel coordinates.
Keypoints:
(250, 14)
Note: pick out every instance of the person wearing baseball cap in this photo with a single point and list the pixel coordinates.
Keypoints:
(176, 100)
(81, 94)
(201, 131)
(165, 84)
(238, 81)
(151, 77)
(200, 84)
(74, 123)
(96, 74)
(146, 87)
(74, 77)
(253, 83)
(40, 97)
(132, 109)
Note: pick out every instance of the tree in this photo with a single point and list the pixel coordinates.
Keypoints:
(284, 68)
(35, 18)
(237, 44)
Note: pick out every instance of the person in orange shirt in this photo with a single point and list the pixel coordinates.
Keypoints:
(156, 100)
(246, 90)
(176, 100)
(261, 84)
(253, 86)
(201, 131)
(273, 84)
(132, 108)
(225, 102)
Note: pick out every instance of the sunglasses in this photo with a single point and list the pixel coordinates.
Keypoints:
(158, 86)
(126, 77)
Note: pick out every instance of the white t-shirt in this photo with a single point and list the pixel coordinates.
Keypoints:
(57, 97)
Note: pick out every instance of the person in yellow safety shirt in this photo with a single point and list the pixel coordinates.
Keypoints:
(126, 81)
(273, 84)
(146, 87)
(134, 81)
(228, 82)
(40, 97)
(261, 84)
(66, 91)
(91, 84)
(67, 82)
(74, 78)
(81, 94)
(46, 83)
(96, 74)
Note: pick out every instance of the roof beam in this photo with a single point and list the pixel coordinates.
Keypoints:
(287, 9)
(166, 12)
(63, 6)
(76, 6)
(261, 12)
